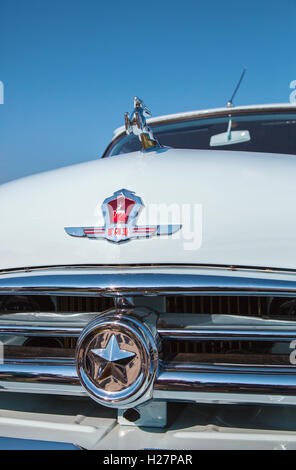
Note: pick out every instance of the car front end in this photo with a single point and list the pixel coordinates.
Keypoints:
(148, 299)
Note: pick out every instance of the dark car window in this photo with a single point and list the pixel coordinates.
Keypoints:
(271, 133)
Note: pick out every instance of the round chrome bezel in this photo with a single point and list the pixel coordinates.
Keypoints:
(146, 344)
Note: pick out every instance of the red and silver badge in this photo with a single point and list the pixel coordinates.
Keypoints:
(120, 212)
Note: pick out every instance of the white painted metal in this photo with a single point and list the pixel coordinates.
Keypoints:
(244, 206)
(46, 419)
(193, 427)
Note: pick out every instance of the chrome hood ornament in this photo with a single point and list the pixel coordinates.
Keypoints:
(120, 212)
(136, 124)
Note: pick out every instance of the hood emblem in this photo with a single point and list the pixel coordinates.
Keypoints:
(120, 212)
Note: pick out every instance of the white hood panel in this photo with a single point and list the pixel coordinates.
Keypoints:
(245, 210)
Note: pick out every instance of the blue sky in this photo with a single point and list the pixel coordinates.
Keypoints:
(71, 68)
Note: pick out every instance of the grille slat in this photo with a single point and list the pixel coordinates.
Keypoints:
(226, 305)
(84, 304)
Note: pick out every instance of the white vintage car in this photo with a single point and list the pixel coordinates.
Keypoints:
(147, 298)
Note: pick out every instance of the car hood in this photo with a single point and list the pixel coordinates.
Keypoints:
(236, 208)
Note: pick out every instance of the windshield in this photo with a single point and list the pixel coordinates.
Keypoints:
(271, 133)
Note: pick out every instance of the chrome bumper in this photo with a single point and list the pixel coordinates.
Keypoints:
(209, 383)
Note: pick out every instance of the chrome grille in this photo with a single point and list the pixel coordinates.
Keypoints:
(242, 336)
(187, 306)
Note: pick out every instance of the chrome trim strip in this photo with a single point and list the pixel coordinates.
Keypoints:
(285, 334)
(227, 334)
(134, 267)
(224, 398)
(24, 330)
(142, 284)
(22, 372)
(228, 379)
(166, 395)
(42, 388)
(177, 381)
(196, 368)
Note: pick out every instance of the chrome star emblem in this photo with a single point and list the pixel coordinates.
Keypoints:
(117, 359)
(113, 361)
